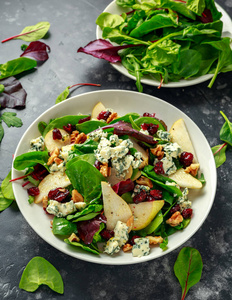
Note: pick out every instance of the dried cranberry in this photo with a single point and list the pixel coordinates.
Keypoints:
(84, 119)
(97, 164)
(58, 194)
(187, 213)
(145, 126)
(175, 209)
(69, 128)
(33, 191)
(132, 240)
(140, 197)
(107, 234)
(104, 115)
(147, 114)
(186, 159)
(150, 127)
(157, 194)
(39, 172)
(56, 134)
(149, 198)
(159, 168)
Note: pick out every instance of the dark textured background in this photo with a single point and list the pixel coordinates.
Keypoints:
(72, 26)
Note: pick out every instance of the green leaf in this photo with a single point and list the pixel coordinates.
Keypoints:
(41, 127)
(109, 20)
(1, 131)
(83, 246)
(219, 152)
(7, 189)
(188, 268)
(226, 130)
(39, 271)
(61, 226)
(92, 208)
(63, 96)
(30, 159)
(39, 31)
(4, 203)
(197, 6)
(11, 120)
(2, 88)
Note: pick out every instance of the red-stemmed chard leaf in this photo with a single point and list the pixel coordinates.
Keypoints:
(123, 187)
(123, 128)
(104, 49)
(13, 96)
(87, 229)
(37, 50)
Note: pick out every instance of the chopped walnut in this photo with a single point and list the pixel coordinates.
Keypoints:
(130, 223)
(105, 170)
(175, 219)
(73, 238)
(45, 202)
(158, 151)
(81, 138)
(144, 181)
(53, 156)
(112, 117)
(154, 240)
(58, 160)
(127, 247)
(76, 196)
(192, 169)
(73, 136)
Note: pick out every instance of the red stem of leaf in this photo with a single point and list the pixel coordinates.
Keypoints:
(186, 283)
(92, 84)
(182, 1)
(21, 177)
(219, 149)
(161, 81)
(15, 36)
(25, 183)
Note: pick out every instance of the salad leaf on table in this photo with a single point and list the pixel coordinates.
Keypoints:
(7, 189)
(4, 202)
(11, 120)
(37, 51)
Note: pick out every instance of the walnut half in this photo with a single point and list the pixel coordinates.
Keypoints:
(175, 219)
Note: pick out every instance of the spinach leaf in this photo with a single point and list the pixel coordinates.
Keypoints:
(149, 171)
(83, 246)
(109, 20)
(39, 271)
(226, 130)
(31, 199)
(126, 118)
(179, 7)
(61, 226)
(7, 189)
(30, 159)
(1, 131)
(219, 152)
(153, 226)
(188, 268)
(126, 3)
(86, 179)
(142, 120)
(11, 120)
(41, 127)
(90, 158)
(87, 147)
(4, 202)
(90, 126)
(16, 66)
(2, 88)
(197, 6)
(92, 208)
(63, 121)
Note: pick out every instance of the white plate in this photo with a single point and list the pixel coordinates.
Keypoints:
(113, 8)
(122, 102)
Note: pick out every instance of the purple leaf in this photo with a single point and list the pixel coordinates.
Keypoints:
(123, 128)
(104, 49)
(206, 16)
(87, 229)
(123, 187)
(14, 95)
(37, 50)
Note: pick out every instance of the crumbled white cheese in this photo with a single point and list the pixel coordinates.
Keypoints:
(37, 144)
(168, 165)
(141, 247)
(183, 200)
(172, 149)
(112, 246)
(97, 135)
(60, 209)
(144, 131)
(121, 232)
(163, 135)
(80, 205)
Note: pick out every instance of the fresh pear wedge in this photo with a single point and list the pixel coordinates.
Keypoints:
(179, 134)
(184, 179)
(115, 208)
(145, 212)
(99, 107)
(52, 144)
(113, 179)
(52, 181)
(145, 156)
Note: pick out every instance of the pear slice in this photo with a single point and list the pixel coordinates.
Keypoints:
(113, 179)
(52, 181)
(179, 134)
(115, 208)
(99, 107)
(52, 144)
(145, 212)
(145, 156)
(184, 179)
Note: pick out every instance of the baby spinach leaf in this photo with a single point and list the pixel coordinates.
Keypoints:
(7, 189)
(197, 6)
(1, 131)
(219, 154)
(109, 20)
(30, 159)
(87, 147)
(226, 130)
(37, 51)
(149, 171)
(126, 118)
(83, 246)
(86, 179)
(2, 88)
(41, 127)
(92, 208)
(126, 3)
(179, 7)
(39, 271)
(13, 95)
(90, 126)
(61, 226)
(16, 66)
(4, 202)
(89, 157)
(188, 268)
(32, 33)
(11, 120)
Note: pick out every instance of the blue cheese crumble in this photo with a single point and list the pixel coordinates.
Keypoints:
(172, 149)
(97, 135)
(168, 165)
(164, 135)
(138, 188)
(112, 246)
(183, 200)
(37, 144)
(63, 209)
(141, 247)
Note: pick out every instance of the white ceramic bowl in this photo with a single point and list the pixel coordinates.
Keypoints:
(122, 102)
(113, 8)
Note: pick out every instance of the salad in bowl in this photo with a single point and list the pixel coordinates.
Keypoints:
(108, 184)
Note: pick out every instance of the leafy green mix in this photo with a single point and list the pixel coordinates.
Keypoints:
(173, 39)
